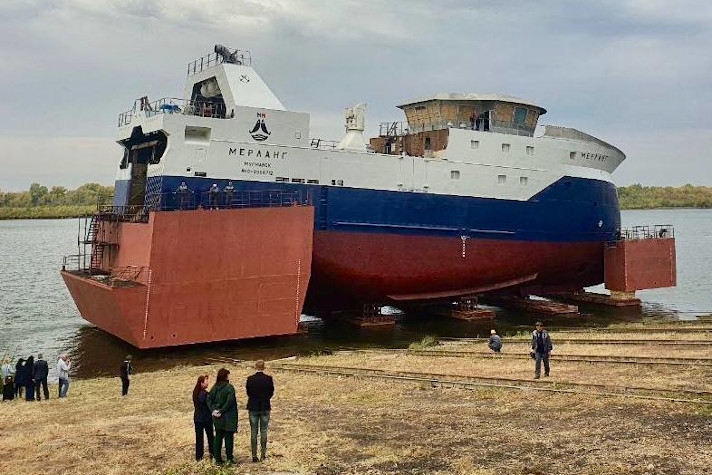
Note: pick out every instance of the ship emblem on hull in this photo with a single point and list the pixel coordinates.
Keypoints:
(259, 132)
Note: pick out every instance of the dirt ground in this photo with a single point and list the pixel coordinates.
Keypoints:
(330, 425)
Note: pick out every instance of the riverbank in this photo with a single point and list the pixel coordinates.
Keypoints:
(329, 423)
(47, 212)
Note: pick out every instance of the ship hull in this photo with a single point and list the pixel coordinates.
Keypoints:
(384, 247)
(354, 267)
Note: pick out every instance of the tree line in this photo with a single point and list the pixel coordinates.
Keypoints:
(59, 202)
(650, 197)
(56, 202)
(40, 195)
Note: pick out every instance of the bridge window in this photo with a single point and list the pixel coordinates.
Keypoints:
(501, 179)
(505, 148)
(520, 116)
(455, 174)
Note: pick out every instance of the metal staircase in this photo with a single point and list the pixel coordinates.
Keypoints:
(98, 236)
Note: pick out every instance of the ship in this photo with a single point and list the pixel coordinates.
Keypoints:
(469, 195)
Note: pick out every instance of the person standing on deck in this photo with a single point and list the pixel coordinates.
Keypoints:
(260, 389)
(41, 372)
(214, 196)
(64, 363)
(124, 371)
(495, 342)
(229, 192)
(223, 403)
(541, 348)
(183, 195)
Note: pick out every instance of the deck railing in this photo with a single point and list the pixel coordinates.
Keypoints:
(192, 200)
(396, 129)
(174, 105)
(213, 59)
(79, 264)
(657, 231)
(76, 262)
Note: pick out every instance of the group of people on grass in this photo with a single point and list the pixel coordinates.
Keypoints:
(217, 409)
(29, 376)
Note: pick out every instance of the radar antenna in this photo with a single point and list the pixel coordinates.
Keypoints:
(227, 55)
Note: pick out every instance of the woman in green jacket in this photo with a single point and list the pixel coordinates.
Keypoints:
(222, 401)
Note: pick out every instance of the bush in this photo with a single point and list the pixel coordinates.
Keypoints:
(426, 342)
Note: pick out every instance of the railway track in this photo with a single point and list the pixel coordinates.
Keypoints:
(608, 359)
(591, 341)
(647, 360)
(668, 329)
(683, 395)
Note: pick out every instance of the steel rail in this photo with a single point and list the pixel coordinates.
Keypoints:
(651, 360)
(473, 382)
(668, 360)
(590, 341)
(676, 329)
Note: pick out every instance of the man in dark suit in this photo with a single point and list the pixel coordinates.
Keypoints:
(41, 371)
(124, 372)
(260, 389)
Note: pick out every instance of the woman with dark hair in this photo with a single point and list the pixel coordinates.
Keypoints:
(19, 377)
(201, 417)
(222, 401)
(30, 379)
(8, 380)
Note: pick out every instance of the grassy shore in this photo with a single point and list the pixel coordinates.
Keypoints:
(330, 425)
(47, 212)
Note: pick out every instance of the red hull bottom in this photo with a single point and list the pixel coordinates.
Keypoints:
(353, 267)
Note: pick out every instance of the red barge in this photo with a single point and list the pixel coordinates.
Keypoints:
(195, 276)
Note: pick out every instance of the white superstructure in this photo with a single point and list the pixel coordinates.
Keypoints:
(243, 132)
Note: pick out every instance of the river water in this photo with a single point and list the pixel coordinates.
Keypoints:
(37, 313)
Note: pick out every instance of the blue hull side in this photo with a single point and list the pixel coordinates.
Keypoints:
(570, 210)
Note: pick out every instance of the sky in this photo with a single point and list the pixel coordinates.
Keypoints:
(635, 73)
